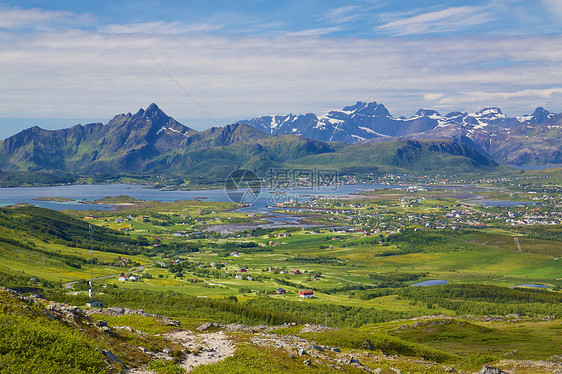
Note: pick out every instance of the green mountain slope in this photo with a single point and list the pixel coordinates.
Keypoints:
(51, 226)
(152, 143)
(444, 156)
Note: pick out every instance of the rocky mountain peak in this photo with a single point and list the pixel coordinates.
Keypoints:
(369, 109)
(152, 108)
(427, 113)
(375, 109)
(540, 115)
(357, 105)
(489, 112)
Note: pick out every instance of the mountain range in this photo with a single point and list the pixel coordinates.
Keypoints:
(150, 142)
(528, 139)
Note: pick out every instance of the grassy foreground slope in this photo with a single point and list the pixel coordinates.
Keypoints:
(33, 343)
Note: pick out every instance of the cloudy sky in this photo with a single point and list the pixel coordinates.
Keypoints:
(215, 62)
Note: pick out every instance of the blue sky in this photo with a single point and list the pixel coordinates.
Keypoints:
(69, 62)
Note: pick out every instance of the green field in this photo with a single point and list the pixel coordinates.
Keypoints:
(361, 275)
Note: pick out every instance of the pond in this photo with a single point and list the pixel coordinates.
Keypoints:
(532, 285)
(431, 282)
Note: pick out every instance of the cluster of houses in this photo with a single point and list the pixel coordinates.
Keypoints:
(462, 215)
(239, 277)
(305, 294)
(131, 278)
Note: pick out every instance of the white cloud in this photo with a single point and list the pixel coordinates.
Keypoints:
(12, 19)
(315, 32)
(491, 96)
(432, 96)
(554, 7)
(159, 27)
(450, 19)
(85, 74)
(342, 14)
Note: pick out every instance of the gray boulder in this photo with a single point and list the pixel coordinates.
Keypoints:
(488, 369)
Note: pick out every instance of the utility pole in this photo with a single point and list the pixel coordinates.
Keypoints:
(92, 303)
(91, 291)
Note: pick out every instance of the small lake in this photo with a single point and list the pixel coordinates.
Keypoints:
(532, 285)
(431, 282)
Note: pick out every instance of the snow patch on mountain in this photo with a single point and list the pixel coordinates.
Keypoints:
(372, 120)
(370, 131)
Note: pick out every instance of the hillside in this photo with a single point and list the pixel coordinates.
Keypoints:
(49, 226)
(528, 139)
(444, 156)
(152, 143)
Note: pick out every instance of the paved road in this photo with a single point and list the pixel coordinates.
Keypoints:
(140, 268)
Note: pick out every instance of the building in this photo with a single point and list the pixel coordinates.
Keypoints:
(94, 304)
(280, 291)
(306, 294)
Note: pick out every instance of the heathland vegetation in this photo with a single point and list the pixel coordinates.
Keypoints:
(361, 257)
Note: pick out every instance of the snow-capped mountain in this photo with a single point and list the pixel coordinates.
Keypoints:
(487, 130)
(352, 124)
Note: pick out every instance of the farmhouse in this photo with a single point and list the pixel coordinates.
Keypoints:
(306, 294)
(280, 291)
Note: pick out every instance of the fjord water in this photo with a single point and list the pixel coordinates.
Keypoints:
(89, 192)
(10, 196)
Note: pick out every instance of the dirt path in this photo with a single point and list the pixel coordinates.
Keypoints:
(200, 349)
(204, 348)
(516, 240)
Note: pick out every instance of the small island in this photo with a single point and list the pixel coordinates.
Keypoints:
(55, 199)
(114, 200)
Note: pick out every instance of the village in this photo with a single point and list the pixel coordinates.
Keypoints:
(317, 255)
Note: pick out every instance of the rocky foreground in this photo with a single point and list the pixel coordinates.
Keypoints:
(212, 343)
